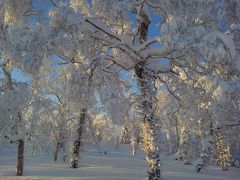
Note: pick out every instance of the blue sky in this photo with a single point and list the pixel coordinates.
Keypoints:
(154, 27)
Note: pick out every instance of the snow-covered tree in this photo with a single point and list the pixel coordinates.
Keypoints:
(191, 53)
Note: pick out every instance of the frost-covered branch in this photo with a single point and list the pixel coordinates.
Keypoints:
(169, 89)
(147, 43)
(103, 30)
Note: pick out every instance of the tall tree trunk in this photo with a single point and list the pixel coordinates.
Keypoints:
(170, 148)
(135, 145)
(135, 139)
(177, 130)
(207, 141)
(20, 157)
(55, 155)
(92, 131)
(151, 131)
(146, 81)
(77, 142)
(64, 156)
(117, 143)
(223, 154)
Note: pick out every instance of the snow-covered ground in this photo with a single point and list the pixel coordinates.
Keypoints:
(115, 165)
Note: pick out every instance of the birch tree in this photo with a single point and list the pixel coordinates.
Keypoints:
(187, 34)
(190, 43)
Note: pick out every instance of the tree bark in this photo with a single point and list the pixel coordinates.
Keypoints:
(92, 131)
(177, 132)
(151, 130)
(20, 157)
(135, 138)
(170, 148)
(77, 142)
(146, 81)
(56, 151)
(207, 150)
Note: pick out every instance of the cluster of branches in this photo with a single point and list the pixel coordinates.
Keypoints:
(79, 57)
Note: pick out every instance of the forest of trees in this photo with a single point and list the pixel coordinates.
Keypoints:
(172, 87)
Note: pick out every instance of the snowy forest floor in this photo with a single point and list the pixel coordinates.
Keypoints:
(115, 165)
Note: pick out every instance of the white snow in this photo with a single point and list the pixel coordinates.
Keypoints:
(228, 43)
(115, 165)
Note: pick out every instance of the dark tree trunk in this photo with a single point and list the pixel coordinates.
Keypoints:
(55, 156)
(20, 157)
(207, 138)
(151, 130)
(146, 81)
(125, 139)
(77, 142)
(177, 132)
